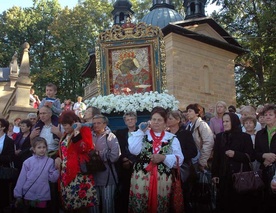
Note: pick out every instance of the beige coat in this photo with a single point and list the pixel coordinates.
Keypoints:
(204, 140)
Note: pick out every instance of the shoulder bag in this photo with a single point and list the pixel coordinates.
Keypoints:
(9, 173)
(249, 181)
(95, 163)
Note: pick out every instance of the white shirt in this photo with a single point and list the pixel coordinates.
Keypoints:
(48, 135)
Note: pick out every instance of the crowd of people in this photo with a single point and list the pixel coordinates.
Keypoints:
(48, 149)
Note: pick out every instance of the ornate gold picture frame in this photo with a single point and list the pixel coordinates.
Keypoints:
(130, 59)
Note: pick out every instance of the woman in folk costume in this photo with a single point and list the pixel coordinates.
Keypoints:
(77, 191)
(157, 152)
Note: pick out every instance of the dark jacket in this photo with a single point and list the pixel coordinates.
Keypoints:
(262, 145)
(25, 148)
(239, 142)
(7, 154)
(187, 144)
(224, 166)
(26, 144)
(122, 136)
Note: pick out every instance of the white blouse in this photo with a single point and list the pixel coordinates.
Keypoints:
(135, 142)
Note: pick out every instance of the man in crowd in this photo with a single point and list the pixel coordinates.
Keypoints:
(126, 160)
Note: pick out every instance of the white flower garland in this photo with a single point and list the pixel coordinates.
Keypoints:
(136, 102)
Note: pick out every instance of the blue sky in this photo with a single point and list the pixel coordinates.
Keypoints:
(6, 4)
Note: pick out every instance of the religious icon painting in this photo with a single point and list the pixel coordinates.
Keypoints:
(131, 70)
(131, 59)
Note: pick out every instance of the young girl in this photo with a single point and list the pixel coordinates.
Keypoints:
(33, 182)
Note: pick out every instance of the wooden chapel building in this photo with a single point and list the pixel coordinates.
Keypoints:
(200, 54)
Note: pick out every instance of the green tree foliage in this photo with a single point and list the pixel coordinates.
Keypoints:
(252, 23)
(60, 41)
(140, 9)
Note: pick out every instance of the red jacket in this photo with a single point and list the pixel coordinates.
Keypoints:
(77, 152)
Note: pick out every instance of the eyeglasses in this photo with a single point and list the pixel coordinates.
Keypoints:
(43, 113)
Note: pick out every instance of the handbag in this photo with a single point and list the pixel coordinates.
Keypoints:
(95, 164)
(176, 193)
(8, 173)
(249, 181)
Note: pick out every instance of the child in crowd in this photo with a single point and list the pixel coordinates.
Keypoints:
(249, 123)
(32, 186)
(52, 102)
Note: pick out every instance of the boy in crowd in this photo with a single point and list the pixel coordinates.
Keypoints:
(52, 102)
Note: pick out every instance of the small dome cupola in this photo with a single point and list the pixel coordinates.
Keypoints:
(161, 14)
(194, 8)
(121, 11)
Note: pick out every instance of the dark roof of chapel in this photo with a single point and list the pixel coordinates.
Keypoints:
(230, 43)
(208, 20)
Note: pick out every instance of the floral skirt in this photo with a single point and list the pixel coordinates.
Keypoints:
(139, 192)
(80, 193)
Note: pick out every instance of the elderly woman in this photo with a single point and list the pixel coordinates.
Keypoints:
(108, 147)
(77, 190)
(265, 147)
(249, 111)
(230, 150)
(157, 152)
